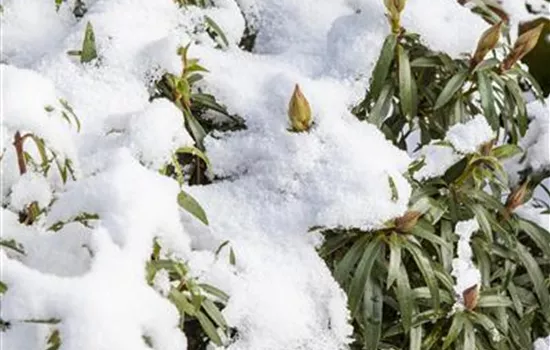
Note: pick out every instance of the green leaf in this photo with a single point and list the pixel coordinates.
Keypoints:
(447, 254)
(372, 312)
(482, 215)
(381, 107)
(426, 269)
(382, 67)
(537, 277)
(506, 151)
(192, 206)
(215, 292)
(453, 85)
(538, 234)
(424, 230)
(534, 82)
(89, 51)
(356, 289)
(13, 245)
(426, 62)
(454, 331)
(393, 188)
(516, 300)
(486, 323)
(493, 300)
(213, 312)
(232, 258)
(395, 260)
(210, 23)
(195, 128)
(487, 64)
(3, 287)
(415, 338)
(182, 303)
(207, 101)
(517, 95)
(485, 86)
(469, 335)
(209, 328)
(406, 84)
(347, 263)
(195, 152)
(405, 298)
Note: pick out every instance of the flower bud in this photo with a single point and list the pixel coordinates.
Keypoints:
(487, 42)
(486, 148)
(525, 43)
(299, 111)
(517, 197)
(470, 297)
(395, 7)
(407, 222)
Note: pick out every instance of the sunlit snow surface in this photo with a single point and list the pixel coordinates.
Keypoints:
(276, 184)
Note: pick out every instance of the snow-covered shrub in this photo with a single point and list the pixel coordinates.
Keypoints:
(460, 119)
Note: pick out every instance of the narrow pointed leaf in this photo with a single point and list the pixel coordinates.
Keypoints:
(382, 67)
(453, 85)
(362, 272)
(406, 89)
(426, 269)
(192, 206)
(372, 313)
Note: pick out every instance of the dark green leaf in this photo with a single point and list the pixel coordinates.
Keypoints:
(453, 85)
(382, 67)
(3, 287)
(454, 331)
(405, 298)
(345, 266)
(372, 312)
(486, 93)
(538, 234)
(406, 84)
(209, 328)
(357, 286)
(381, 107)
(537, 277)
(426, 269)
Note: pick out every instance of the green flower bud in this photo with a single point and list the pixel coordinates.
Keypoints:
(299, 111)
(407, 222)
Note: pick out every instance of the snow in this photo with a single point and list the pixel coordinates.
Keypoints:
(155, 133)
(536, 140)
(542, 344)
(468, 137)
(464, 270)
(161, 282)
(270, 185)
(30, 187)
(437, 159)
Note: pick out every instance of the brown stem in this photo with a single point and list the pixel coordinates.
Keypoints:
(18, 143)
